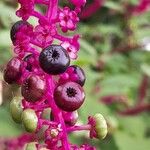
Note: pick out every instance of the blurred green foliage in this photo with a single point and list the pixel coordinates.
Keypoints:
(114, 40)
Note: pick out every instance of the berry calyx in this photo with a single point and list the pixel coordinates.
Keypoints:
(16, 109)
(29, 120)
(12, 73)
(33, 88)
(31, 146)
(54, 59)
(69, 96)
(80, 74)
(15, 28)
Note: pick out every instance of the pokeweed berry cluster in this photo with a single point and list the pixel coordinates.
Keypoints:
(51, 88)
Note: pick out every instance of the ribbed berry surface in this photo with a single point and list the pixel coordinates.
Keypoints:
(33, 88)
(69, 96)
(54, 59)
(12, 73)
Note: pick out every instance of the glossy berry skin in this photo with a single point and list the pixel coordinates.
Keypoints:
(54, 59)
(69, 96)
(29, 120)
(33, 88)
(12, 73)
(27, 60)
(80, 73)
(70, 118)
(15, 28)
(16, 109)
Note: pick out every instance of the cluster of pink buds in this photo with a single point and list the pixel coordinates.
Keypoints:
(51, 89)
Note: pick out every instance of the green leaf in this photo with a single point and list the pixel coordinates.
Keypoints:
(7, 15)
(113, 5)
(128, 142)
(5, 38)
(7, 126)
(118, 84)
(88, 48)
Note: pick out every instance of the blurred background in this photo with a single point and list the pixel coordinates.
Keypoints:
(115, 54)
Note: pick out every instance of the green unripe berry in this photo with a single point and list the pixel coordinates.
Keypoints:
(31, 146)
(16, 109)
(29, 120)
(100, 126)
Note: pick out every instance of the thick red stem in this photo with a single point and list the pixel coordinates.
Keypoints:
(136, 110)
(142, 89)
(91, 9)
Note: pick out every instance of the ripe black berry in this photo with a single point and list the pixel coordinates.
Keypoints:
(54, 59)
(69, 96)
(15, 29)
(12, 73)
(33, 88)
(27, 60)
(80, 73)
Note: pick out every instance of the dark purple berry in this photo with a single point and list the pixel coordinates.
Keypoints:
(54, 59)
(80, 73)
(12, 73)
(70, 118)
(33, 88)
(15, 29)
(27, 60)
(69, 96)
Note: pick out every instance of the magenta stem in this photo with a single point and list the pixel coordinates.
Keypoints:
(61, 38)
(34, 51)
(79, 128)
(36, 43)
(58, 116)
(40, 16)
(47, 122)
(52, 10)
(49, 12)
(45, 2)
(39, 108)
(136, 110)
